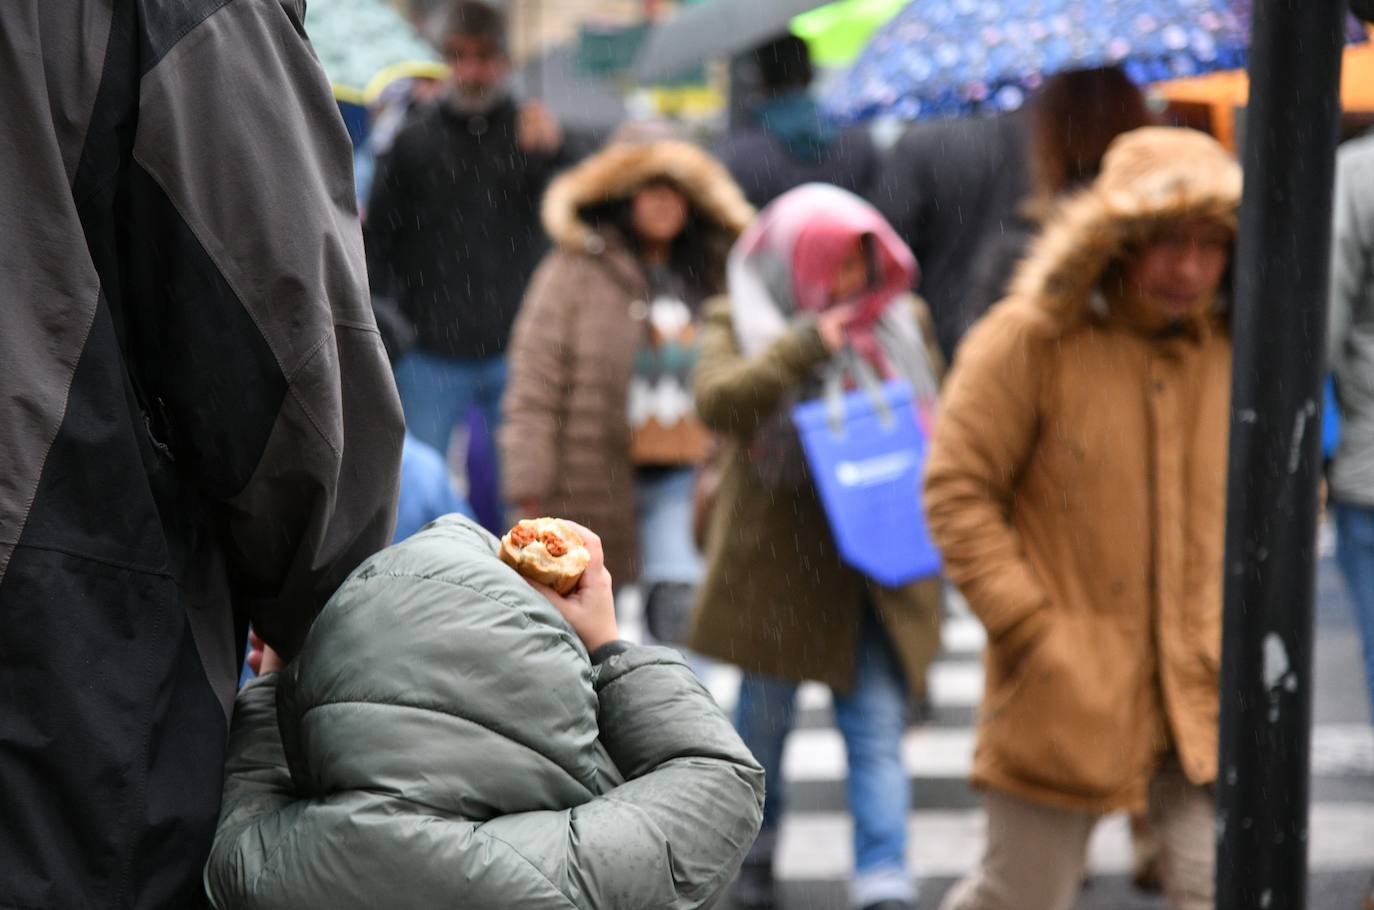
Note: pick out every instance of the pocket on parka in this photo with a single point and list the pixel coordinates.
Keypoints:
(1064, 721)
(1004, 674)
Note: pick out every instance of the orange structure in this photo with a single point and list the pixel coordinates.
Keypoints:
(1224, 92)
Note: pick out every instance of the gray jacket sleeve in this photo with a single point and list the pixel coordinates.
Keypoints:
(677, 830)
(1352, 243)
(271, 374)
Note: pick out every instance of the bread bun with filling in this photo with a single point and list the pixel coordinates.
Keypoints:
(546, 550)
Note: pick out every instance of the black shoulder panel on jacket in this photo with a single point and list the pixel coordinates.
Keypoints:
(110, 136)
(165, 22)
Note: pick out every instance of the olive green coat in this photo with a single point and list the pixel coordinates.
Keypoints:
(777, 600)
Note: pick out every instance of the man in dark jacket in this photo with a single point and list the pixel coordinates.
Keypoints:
(790, 143)
(197, 425)
(453, 226)
(947, 187)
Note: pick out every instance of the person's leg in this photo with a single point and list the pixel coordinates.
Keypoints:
(435, 395)
(1355, 555)
(480, 453)
(1183, 816)
(670, 567)
(489, 375)
(1034, 859)
(764, 715)
(1146, 857)
(872, 719)
(667, 552)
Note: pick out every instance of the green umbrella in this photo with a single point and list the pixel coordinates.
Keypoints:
(358, 39)
(837, 32)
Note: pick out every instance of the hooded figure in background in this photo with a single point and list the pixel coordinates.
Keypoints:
(1077, 489)
(820, 270)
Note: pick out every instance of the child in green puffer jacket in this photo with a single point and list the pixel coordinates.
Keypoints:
(449, 736)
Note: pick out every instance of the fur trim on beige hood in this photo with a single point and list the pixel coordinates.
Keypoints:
(620, 169)
(1149, 176)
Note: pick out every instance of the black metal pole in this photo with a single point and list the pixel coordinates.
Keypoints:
(1279, 330)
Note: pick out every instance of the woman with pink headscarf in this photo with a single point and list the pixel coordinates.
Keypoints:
(819, 272)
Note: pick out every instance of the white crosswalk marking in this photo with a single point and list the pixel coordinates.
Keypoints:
(818, 754)
(816, 846)
(940, 844)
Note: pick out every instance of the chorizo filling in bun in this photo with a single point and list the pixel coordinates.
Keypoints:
(547, 551)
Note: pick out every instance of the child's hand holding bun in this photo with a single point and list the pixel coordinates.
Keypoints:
(564, 562)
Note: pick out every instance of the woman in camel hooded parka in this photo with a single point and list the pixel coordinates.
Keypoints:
(1076, 486)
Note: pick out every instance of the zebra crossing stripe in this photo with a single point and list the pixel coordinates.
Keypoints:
(1338, 750)
(947, 844)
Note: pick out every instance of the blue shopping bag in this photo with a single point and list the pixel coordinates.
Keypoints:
(866, 450)
(1331, 420)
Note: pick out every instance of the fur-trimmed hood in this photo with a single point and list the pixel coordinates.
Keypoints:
(1149, 176)
(620, 169)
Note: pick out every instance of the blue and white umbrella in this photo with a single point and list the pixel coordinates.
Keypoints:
(949, 57)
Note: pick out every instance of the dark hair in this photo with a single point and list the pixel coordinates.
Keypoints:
(697, 255)
(784, 64)
(476, 19)
(1074, 118)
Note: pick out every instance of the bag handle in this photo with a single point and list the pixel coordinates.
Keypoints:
(850, 362)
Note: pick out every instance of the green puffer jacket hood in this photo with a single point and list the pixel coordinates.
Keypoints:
(443, 739)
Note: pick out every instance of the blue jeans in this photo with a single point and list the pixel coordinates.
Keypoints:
(667, 553)
(438, 392)
(872, 719)
(666, 549)
(1355, 555)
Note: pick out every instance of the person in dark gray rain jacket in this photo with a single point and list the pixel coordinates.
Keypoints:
(1072, 119)
(948, 187)
(449, 737)
(197, 425)
(790, 142)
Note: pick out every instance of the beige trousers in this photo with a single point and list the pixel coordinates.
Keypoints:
(1036, 856)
